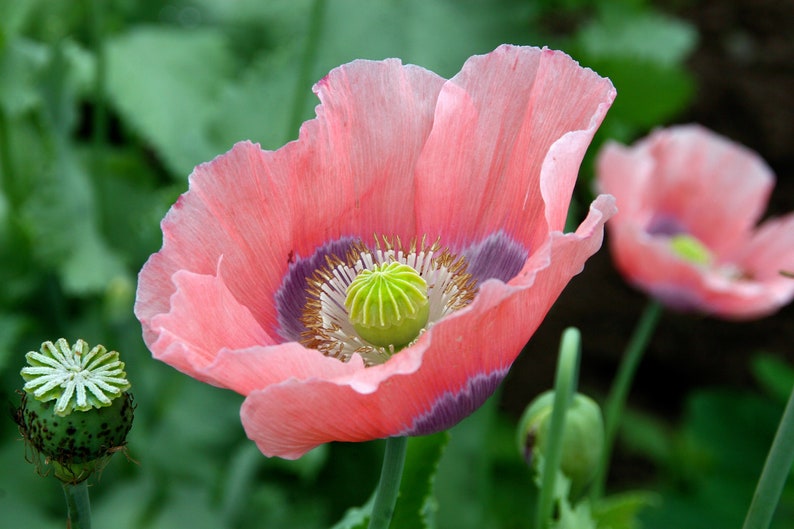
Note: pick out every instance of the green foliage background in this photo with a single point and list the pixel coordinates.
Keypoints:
(105, 108)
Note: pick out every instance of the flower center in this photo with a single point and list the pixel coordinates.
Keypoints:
(690, 249)
(374, 302)
(388, 305)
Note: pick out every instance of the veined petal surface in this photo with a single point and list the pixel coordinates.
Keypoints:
(483, 164)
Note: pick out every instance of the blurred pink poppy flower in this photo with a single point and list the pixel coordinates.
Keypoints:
(467, 181)
(686, 232)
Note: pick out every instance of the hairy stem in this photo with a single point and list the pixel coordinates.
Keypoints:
(78, 505)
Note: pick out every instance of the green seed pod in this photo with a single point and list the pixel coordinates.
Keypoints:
(76, 411)
(388, 305)
(582, 440)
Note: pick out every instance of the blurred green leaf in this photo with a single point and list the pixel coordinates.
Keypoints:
(21, 62)
(482, 480)
(61, 218)
(247, 464)
(57, 201)
(11, 328)
(648, 93)
(124, 505)
(643, 53)
(13, 15)
(276, 505)
(186, 506)
(647, 436)
(729, 434)
(27, 499)
(619, 511)
(713, 417)
(19, 511)
(68, 73)
(258, 106)
(197, 424)
(357, 517)
(464, 485)
(576, 517)
(307, 467)
(165, 83)
(402, 28)
(643, 35)
(416, 505)
(121, 176)
(775, 375)
(275, 21)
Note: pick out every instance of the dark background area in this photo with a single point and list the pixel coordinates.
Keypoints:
(744, 70)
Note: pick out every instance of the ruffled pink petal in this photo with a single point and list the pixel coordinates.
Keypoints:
(715, 190)
(718, 189)
(767, 257)
(372, 122)
(210, 336)
(769, 250)
(204, 317)
(248, 370)
(648, 263)
(253, 210)
(216, 228)
(419, 390)
(627, 174)
(510, 131)
(373, 161)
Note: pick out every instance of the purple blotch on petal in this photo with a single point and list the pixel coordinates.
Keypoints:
(666, 225)
(451, 408)
(496, 257)
(291, 297)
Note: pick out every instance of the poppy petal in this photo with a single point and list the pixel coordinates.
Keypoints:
(506, 145)
(438, 381)
(687, 180)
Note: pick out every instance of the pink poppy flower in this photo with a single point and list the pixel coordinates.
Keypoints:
(465, 181)
(686, 233)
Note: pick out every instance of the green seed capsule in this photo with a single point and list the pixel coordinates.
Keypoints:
(76, 411)
(81, 436)
(388, 305)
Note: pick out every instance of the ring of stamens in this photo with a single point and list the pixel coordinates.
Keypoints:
(328, 326)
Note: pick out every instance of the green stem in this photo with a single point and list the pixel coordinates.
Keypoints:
(564, 389)
(389, 485)
(307, 62)
(77, 505)
(776, 470)
(616, 400)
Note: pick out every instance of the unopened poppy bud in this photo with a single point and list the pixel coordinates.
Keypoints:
(582, 440)
(76, 410)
